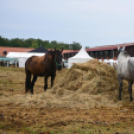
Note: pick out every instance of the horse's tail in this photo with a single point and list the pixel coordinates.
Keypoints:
(28, 76)
(131, 68)
(27, 81)
(28, 84)
(26, 64)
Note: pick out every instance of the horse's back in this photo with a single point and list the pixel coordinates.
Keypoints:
(34, 65)
(29, 61)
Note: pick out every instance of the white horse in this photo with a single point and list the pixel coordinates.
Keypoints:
(125, 70)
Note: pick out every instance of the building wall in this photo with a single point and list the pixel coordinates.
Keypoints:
(101, 54)
(4, 50)
(68, 55)
(110, 53)
(130, 50)
(115, 53)
(104, 53)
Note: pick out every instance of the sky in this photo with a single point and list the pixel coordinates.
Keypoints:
(88, 22)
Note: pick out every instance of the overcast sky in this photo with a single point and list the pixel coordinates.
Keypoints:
(88, 22)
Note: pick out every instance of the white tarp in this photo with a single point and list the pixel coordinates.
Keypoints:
(81, 57)
(22, 56)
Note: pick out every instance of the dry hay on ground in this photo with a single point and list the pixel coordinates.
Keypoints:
(88, 85)
(94, 83)
(90, 77)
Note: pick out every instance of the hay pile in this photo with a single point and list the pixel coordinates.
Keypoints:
(92, 77)
(92, 83)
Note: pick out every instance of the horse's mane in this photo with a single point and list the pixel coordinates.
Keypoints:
(50, 53)
(125, 54)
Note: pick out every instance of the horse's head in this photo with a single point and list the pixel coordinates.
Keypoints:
(121, 49)
(122, 52)
(58, 59)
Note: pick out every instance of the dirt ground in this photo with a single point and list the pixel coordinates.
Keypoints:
(44, 120)
(66, 120)
(35, 119)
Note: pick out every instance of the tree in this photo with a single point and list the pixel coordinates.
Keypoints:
(75, 46)
(87, 47)
(34, 43)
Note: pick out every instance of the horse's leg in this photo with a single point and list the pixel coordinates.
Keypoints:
(52, 79)
(27, 81)
(32, 83)
(120, 87)
(130, 90)
(45, 86)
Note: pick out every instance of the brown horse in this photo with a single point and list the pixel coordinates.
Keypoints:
(42, 66)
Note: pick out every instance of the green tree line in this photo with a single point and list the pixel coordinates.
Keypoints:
(35, 43)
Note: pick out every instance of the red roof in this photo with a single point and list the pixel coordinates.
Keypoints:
(13, 49)
(68, 51)
(108, 47)
(20, 49)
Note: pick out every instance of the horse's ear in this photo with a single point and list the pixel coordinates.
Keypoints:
(61, 49)
(123, 48)
(118, 48)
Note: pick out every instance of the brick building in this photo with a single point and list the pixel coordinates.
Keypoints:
(107, 51)
(4, 50)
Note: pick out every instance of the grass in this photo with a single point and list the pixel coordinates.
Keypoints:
(77, 128)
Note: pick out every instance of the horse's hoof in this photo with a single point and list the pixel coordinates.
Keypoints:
(119, 99)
